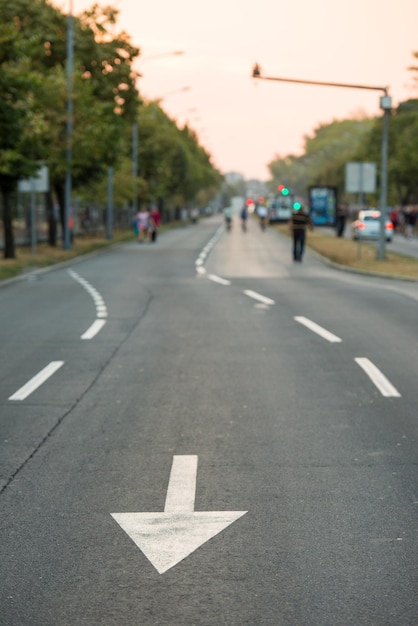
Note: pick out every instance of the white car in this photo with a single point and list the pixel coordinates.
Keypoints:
(367, 226)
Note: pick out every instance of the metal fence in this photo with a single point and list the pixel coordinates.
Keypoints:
(30, 220)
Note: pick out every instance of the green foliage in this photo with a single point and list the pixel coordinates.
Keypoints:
(325, 156)
(105, 101)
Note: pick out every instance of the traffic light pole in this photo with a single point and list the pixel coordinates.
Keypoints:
(385, 104)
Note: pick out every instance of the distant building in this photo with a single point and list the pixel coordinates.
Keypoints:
(232, 178)
(256, 188)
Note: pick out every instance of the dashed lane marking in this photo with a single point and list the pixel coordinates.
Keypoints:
(258, 296)
(37, 381)
(94, 329)
(101, 309)
(382, 383)
(219, 280)
(319, 330)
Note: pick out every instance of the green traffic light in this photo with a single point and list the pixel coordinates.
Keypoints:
(285, 192)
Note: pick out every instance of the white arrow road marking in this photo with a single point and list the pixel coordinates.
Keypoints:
(218, 279)
(317, 329)
(382, 383)
(37, 381)
(168, 538)
(258, 296)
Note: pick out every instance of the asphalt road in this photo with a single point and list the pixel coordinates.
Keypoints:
(200, 432)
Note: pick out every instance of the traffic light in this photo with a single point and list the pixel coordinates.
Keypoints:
(297, 206)
(283, 190)
(261, 200)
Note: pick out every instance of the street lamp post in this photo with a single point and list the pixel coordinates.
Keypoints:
(69, 129)
(385, 104)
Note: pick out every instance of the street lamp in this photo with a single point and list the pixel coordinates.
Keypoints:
(385, 104)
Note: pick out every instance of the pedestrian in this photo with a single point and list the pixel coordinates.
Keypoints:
(341, 218)
(410, 221)
(394, 218)
(262, 216)
(244, 217)
(155, 219)
(228, 217)
(142, 224)
(299, 222)
(194, 215)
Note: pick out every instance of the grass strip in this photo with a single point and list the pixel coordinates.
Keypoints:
(358, 256)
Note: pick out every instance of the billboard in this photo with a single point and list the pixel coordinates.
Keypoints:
(323, 205)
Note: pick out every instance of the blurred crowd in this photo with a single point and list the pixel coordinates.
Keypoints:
(404, 220)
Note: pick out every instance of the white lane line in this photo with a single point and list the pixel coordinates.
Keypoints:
(200, 261)
(94, 329)
(101, 309)
(37, 381)
(181, 490)
(317, 329)
(218, 279)
(258, 296)
(382, 383)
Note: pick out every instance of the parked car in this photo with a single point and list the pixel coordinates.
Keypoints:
(367, 226)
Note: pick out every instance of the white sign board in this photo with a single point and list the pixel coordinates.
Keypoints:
(38, 183)
(360, 177)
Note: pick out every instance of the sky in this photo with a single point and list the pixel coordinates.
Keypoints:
(244, 123)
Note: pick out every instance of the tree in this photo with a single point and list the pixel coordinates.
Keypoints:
(21, 121)
(105, 97)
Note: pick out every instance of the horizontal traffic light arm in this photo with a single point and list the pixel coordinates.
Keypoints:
(257, 74)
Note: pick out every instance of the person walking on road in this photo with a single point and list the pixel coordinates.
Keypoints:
(299, 222)
(262, 216)
(228, 217)
(244, 217)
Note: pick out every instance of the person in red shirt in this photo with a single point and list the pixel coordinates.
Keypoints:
(155, 221)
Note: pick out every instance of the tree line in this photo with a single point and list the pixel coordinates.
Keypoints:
(173, 168)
